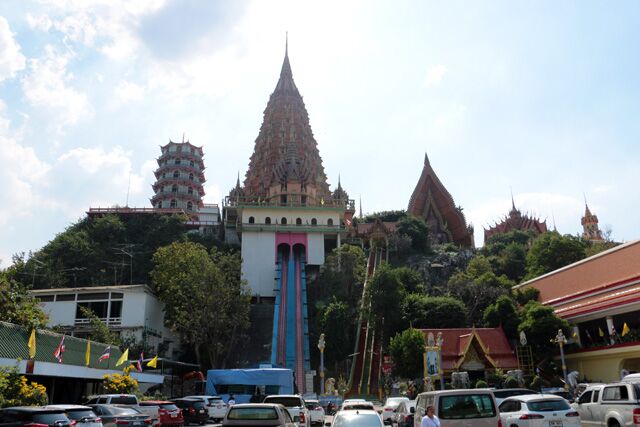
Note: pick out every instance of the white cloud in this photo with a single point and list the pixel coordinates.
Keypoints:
(127, 92)
(11, 60)
(434, 75)
(46, 85)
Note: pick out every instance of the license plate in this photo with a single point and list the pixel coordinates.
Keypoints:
(555, 423)
(201, 411)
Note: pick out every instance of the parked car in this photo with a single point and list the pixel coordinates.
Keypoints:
(403, 416)
(364, 418)
(163, 412)
(82, 415)
(502, 393)
(358, 406)
(121, 415)
(194, 411)
(257, 415)
(216, 407)
(114, 399)
(533, 410)
(316, 412)
(454, 408)
(611, 405)
(390, 406)
(19, 416)
(295, 405)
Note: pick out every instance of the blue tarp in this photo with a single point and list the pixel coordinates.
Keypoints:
(222, 381)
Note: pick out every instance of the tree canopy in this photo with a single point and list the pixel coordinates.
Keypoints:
(18, 306)
(540, 324)
(407, 349)
(551, 251)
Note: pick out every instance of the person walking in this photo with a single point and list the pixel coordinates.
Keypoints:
(430, 420)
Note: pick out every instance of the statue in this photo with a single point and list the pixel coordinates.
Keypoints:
(428, 385)
(330, 386)
(430, 340)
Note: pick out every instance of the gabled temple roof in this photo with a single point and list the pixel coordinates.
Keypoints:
(285, 149)
(431, 200)
(516, 221)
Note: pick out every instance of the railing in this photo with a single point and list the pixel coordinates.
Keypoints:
(109, 321)
(135, 210)
(290, 227)
(276, 202)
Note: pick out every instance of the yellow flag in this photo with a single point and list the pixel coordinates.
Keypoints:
(600, 332)
(153, 363)
(625, 329)
(87, 354)
(123, 358)
(575, 334)
(32, 344)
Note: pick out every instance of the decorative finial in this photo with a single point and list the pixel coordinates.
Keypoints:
(513, 203)
(426, 159)
(361, 207)
(286, 43)
(183, 137)
(238, 181)
(553, 218)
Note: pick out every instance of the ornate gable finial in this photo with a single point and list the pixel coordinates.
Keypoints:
(426, 159)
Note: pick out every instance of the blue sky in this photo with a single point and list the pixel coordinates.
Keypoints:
(541, 97)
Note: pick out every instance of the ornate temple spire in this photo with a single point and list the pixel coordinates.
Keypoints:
(515, 220)
(591, 230)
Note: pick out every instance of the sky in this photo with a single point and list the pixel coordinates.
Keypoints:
(541, 99)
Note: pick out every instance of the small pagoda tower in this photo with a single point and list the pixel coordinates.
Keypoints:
(179, 177)
(590, 228)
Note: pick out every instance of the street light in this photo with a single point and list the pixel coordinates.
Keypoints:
(321, 345)
(561, 340)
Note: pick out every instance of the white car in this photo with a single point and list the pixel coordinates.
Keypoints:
(215, 405)
(390, 406)
(316, 413)
(533, 410)
(358, 406)
(357, 419)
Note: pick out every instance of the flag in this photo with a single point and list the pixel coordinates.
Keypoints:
(87, 354)
(613, 331)
(106, 354)
(348, 221)
(32, 344)
(588, 335)
(59, 351)
(625, 329)
(123, 358)
(575, 334)
(600, 332)
(139, 362)
(322, 201)
(153, 363)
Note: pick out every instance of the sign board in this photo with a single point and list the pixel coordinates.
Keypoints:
(309, 382)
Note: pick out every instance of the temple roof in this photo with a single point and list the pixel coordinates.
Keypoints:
(431, 201)
(285, 149)
(516, 221)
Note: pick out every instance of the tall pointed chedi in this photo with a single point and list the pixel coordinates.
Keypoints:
(286, 165)
(432, 202)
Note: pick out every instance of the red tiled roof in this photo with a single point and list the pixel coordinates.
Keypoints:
(492, 344)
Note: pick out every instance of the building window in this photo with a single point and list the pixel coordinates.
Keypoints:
(115, 309)
(192, 163)
(189, 206)
(190, 177)
(314, 221)
(252, 220)
(298, 221)
(173, 204)
(176, 174)
(330, 222)
(283, 200)
(190, 190)
(178, 161)
(174, 188)
(98, 307)
(267, 220)
(303, 200)
(283, 221)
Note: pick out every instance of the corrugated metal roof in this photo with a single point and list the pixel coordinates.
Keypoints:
(14, 345)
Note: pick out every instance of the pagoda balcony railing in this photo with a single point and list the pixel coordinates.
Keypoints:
(275, 202)
(321, 228)
(182, 193)
(181, 155)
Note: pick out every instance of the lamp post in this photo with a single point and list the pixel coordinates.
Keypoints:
(321, 345)
(439, 342)
(562, 340)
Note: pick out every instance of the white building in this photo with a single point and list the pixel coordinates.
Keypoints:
(131, 310)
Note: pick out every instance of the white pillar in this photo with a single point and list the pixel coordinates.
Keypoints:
(610, 328)
(338, 239)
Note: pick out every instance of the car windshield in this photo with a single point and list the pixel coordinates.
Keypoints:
(198, 404)
(124, 400)
(466, 406)
(289, 402)
(50, 418)
(503, 394)
(358, 406)
(117, 410)
(548, 405)
(252, 414)
(78, 414)
(168, 406)
(393, 402)
(357, 420)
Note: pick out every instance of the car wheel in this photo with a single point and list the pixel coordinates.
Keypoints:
(614, 423)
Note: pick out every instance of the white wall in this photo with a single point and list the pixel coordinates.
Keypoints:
(291, 214)
(258, 261)
(315, 251)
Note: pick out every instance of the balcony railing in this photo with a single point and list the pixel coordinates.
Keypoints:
(109, 321)
(291, 202)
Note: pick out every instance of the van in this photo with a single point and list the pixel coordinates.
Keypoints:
(459, 408)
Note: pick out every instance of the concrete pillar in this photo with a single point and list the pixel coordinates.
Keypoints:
(338, 239)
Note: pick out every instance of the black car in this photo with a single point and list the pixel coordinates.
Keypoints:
(194, 411)
(34, 416)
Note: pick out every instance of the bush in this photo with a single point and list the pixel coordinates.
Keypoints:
(116, 383)
(511, 382)
(481, 384)
(16, 390)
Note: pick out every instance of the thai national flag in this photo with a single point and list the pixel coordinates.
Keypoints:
(105, 355)
(59, 351)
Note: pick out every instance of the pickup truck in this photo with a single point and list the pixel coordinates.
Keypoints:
(611, 405)
(295, 406)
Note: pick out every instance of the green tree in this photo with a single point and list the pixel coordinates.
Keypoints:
(443, 312)
(338, 326)
(99, 331)
(206, 302)
(18, 306)
(552, 251)
(503, 313)
(523, 296)
(407, 349)
(417, 230)
(384, 295)
(478, 288)
(540, 325)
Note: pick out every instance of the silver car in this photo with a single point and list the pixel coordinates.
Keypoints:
(82, 415)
